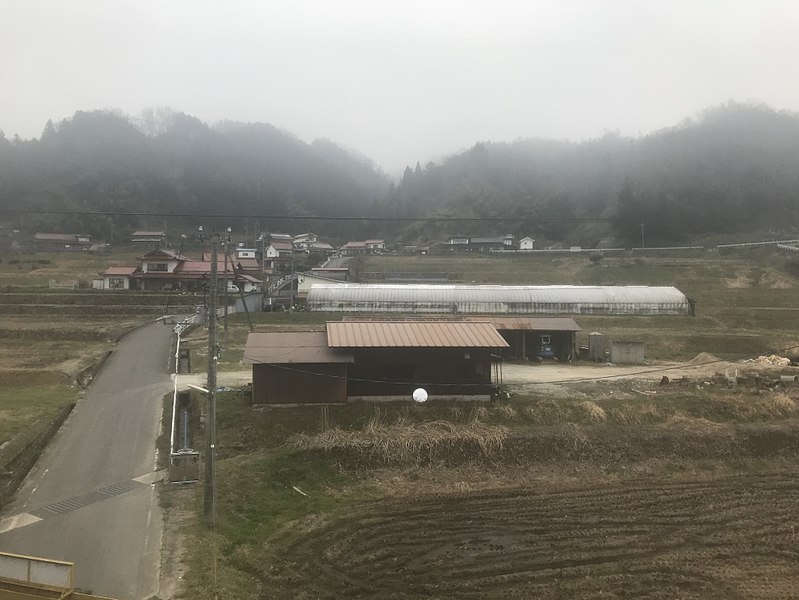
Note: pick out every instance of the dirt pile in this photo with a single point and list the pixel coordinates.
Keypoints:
(703, 358)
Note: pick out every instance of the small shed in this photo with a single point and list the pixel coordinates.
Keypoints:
(627, 352)
(296, 368)
(117, 278)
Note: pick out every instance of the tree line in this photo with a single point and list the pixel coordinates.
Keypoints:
(170, 162)
(732, 169)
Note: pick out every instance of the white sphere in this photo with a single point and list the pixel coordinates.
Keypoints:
(420, 395)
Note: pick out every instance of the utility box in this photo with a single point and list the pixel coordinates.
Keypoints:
(184, 361)
(596, 347)
(627, 352)
(184, 466)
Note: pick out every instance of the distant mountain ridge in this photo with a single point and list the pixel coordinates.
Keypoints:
(734, 167)
(175, 164)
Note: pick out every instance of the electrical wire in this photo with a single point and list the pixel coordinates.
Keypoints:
(548, 382)
(350, 218)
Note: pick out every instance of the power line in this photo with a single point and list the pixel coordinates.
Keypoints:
(348, 218)
(548, 382)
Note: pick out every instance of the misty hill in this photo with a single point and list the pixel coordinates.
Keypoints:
(173, 163)
(734, 168)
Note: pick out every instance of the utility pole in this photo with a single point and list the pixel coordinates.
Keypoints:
(209, 498)
(224, 294)
(642, 236)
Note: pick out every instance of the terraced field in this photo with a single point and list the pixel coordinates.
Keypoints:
(725, 537)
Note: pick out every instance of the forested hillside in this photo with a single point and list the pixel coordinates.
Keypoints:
(733, 169)
(175, 164)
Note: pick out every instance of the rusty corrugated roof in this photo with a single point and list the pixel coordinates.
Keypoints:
(297, 347)
(414, 334)
(535, 323)
(203, 267)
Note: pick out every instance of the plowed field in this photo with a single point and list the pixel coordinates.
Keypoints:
(725, 537)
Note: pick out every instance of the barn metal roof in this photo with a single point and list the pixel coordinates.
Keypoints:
(414, 334)
(535, 323)
(304, 347)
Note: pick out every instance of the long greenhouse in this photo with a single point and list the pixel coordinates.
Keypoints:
(500, 299)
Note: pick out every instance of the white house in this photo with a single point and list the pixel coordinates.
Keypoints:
(304, 241)
(245, 253)
(526, 243)
(160, 261)
(278, 249)
(375, 246)
(117, 278)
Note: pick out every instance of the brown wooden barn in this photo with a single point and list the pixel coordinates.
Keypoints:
(376, 360)
(296, 368)
(449, 359)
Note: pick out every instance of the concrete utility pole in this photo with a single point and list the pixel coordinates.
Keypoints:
(209, 498)
(224, 294)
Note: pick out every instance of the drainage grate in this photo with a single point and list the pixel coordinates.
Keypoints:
(117, 489)
(62, 507)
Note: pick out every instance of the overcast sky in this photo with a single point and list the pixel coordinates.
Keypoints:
(399, 81)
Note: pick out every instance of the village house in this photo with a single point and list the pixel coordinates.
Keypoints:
(460, 242)
(166, 270)
(353, 249)
(62, 241)
(154, 238)
(321, 248)
(309, 242)
(357, 248)
(303, 241)
(277, 252)
(375, 246)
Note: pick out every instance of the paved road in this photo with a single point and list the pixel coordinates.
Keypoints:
(91, 499)
(341, 261)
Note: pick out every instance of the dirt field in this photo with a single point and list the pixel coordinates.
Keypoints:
(681, 491)
(707, 536)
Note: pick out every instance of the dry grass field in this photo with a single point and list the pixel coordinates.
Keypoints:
(588, 489)
(685, 494)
